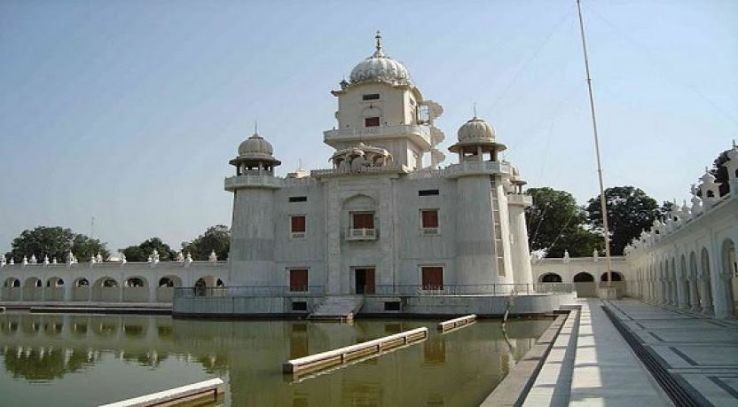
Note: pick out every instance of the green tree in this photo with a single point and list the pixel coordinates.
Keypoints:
(556, 223)
(629, 211)
(145, 248)
(55, 242)
(216, 238)
(85, 247)
(721, 173)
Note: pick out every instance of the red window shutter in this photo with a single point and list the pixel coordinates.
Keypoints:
(370, 285)
(298, 280)
(298, 224)
(432, 278)
(363, 221)
(371, 122)
(430, 218)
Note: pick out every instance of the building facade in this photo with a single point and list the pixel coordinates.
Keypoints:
(688, 261)
(385, 217)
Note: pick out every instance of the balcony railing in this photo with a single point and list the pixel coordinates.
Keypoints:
(378, 290)
(362, 234)
(252, 181)
(422, 134)
(248, 291)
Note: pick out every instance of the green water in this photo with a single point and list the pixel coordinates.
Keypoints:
(86, 360)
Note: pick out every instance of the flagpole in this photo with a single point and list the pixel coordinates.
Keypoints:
(603, 200)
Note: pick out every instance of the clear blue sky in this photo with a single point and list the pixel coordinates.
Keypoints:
(129, 110)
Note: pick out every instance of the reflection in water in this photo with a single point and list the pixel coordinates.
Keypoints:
(108, 358)
(44, 364)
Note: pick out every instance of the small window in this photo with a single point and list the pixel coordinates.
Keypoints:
(432, 278)
(371, 122)
(427, 192)
(371, 96)
(429, 218)
(363, 220)
(298, 280)
(299, 306)
(297, 225)
(391, 306)
(298, 199)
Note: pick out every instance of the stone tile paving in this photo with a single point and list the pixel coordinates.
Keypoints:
(701, 352)
(592, 365)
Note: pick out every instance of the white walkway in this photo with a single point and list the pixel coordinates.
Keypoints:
(601, 370)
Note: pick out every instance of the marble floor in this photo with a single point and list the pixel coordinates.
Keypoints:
(702, 353)
(591, 364)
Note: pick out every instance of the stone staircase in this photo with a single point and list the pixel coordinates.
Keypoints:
(339, 308)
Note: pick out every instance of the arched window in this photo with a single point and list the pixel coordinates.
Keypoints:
(583, 277)
(615, 276)
(551, 278)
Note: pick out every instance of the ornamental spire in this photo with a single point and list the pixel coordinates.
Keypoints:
(378, 52)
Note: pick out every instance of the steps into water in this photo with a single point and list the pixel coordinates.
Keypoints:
(338, 308)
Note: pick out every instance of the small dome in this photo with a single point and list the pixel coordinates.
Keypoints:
(476, 129)
(708, 178)
(733, 153)
(380, 67)
(479, 133)
(255, 147)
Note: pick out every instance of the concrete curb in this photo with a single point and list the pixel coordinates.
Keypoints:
(514, 388)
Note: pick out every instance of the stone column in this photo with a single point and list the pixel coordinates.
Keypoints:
(682, 292)
(720, 284)
(68, 291)
(694, 298)
(152, 292)
(706, 296)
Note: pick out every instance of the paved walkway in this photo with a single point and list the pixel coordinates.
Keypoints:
(598, 369)
(702, 353)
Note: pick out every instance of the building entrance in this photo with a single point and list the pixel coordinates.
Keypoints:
(364, 278)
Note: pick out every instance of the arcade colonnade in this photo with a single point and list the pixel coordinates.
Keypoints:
(688, 261)
(109, 282)
(583, 274)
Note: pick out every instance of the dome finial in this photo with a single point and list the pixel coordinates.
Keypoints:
(256, 127)
(475, 110)
(378, 52)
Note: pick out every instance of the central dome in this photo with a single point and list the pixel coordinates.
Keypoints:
(380, 67)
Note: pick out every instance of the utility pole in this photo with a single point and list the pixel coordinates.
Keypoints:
(603, 200)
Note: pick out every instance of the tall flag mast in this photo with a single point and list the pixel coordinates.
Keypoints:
(603, 200)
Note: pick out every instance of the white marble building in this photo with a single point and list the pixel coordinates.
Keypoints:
(387, 226)
(689, 261)
(385, 218)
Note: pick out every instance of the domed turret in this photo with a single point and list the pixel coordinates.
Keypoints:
(380, 68)
(255, 154)
(476, 137)
(255, 147)
(476, 130)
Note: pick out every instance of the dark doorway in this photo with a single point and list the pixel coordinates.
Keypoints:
(615, 276)
(364, 280)
(551, 278)
(583, 277)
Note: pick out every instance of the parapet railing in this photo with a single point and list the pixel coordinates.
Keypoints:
(378, 290)
(249, 291)
(468, 289)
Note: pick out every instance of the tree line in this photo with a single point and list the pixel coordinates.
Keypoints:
(556, 223)
(57, 242)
